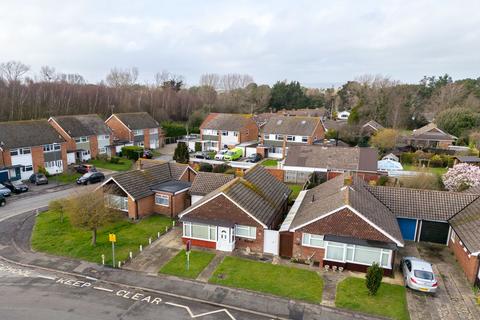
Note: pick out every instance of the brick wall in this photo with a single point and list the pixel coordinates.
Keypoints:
(277, 173)
(301, 252)
(146, 138)
(93, 146)
(37, 158)
(468, 262)
(200, 243)
(5, 158)
(249, 132)
(120, 131)
(145, 206)
(132, 208)
(319, 131)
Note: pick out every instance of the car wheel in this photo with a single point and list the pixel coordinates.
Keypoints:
(85, 183)
(2, 204)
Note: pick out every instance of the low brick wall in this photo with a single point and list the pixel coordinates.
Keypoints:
(277, 173)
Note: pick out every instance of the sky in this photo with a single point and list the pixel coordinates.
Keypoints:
(319, 43)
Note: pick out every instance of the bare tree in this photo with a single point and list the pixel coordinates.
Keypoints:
(47, 74)
(210, 80)
(234, 81)
(13, 71)
(122, 77)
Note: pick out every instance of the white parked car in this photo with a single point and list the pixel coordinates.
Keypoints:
(418, 274)
(220, 154)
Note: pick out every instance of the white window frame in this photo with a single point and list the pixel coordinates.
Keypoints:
(307, 240)
(153, 131)
(102, 150)
(82, 139)
(291, 138)
(279, 137)
(249, 229)
(224, 133)
(123, 205)
(266, 136)
(235, 133)
(27, 168)
(304, 138)
(187, 231)
(162, 196)
(20, 151)
(354, 247)
(137, 132)
(14, 152)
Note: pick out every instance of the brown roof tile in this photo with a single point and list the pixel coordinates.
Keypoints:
(299, 126)
(227, 121)
(466, 224)
(206, 182)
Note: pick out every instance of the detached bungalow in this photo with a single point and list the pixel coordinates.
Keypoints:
(302, 161)
(158, 189)
(138, 128)
(371, 127)
(244, 213)
(206, 182)
(340, 223)
(25, 146)
(87, 136)
(430, 136)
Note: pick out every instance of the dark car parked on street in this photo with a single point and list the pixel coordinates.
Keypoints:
(91, 177)
(38, 178)
(4, 191)
(3, 202)
(254, 158)
(84, 168)
(15, 187)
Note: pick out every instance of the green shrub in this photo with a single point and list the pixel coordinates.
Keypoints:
(173, 129)
(436, 161)
(222, 168)
(198, 146)
(206, 167)
(407, 158)
(382, 180)
(181, 154)
(373, 278)
(115, 160)
(44, 171)
(132, 152)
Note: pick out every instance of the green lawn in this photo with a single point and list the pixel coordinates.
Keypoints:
(123, 165)
(66, 177)
(438, 171)
(274, 279)
(178, 265)
(54, 237)
(270, 163)
(296, 188)
(390, 300)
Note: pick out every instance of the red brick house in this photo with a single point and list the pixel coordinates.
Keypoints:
(138, 128)
(281, 132)
(340, 223)
(242, 214)
(87, 136)
(158, 189)
(227, 129)
(430, 136)
(25, 146)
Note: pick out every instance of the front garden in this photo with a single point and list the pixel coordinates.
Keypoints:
(114, 164)
(177, 266)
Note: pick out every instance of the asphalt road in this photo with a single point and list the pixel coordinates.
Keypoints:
(29, 294)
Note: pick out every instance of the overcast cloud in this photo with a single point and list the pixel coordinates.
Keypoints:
(315, 42)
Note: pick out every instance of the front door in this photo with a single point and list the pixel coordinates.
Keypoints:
(226, 239)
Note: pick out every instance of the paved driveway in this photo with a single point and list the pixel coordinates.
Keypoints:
(454, 298)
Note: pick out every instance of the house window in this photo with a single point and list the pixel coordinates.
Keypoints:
(27, 168)
(358, 254)
(102, 150)
(116, 202)
(279, 137)
(312, 240)
(305, 139)
(290, 138)
(162, 200)
(335, 251)
(153, 131)
(53, 164)
(106, 137)
(16, 152)
(235, 133)
(275, 150)
(51, 147)
(245, 232)
(266, 136)
(137, 132)
(81, 139)
(200, 231)
(224, 133)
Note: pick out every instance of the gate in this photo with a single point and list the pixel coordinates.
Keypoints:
(271, 242)
(286, 244)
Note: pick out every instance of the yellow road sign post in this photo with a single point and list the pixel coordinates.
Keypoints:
(112, 237)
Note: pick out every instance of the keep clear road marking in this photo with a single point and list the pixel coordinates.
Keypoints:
(201, 314)
(103, 289)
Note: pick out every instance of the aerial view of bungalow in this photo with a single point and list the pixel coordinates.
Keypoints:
(138, 128)
(244, 213)
(158, 189)
(26, 146)
(430, 136)
(302, 161)
(371, 127)
(281, 132)
(206, 182)
(226, 130)
(87, 136)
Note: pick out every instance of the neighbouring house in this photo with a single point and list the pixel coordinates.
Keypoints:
(206, 182)
(430, 136)
(466, 159)
(371, 127)
(333, 125)
(302, 161)
(343, 115)
(87, 136)
(465, 241)
(317, 112)
(244, 213)
(138, 128)
(281, 132)
(26, 146)
(158, 189)
(340, 223)
(226, 130)
(392, 157)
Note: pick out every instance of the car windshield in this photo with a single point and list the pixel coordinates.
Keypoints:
(86, 175)
(230, 153)
(421, 274)
(2, 186)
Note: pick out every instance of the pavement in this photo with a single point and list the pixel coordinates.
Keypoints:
(104, 304)
(166, 153)
(454, 298)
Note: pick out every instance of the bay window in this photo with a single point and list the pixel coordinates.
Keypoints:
(342, 252)
(245, 232)
(199, 231)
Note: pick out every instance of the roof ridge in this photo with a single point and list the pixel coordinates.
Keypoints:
(424, 190)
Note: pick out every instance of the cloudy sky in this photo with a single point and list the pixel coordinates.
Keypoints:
(315, 42)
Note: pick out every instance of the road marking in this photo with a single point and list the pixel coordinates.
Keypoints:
(103, 289)
(201, 314)
(91, 278)
(138, 297)
(74, 283)
(46, 277)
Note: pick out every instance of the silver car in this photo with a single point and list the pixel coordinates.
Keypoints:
(4, 191)
(418, 274)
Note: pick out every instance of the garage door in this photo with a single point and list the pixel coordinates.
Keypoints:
(407, 227)
(434, 232)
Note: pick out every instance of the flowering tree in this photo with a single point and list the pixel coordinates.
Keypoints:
(461, 177)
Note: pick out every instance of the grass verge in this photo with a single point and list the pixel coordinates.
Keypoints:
(52, 236)
(274, 279)
(177, 266)
(64, 178)
(123, 164)
(269, 163)
(390, 300)
(296, 188)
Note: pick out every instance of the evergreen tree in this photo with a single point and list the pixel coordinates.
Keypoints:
(181, 153)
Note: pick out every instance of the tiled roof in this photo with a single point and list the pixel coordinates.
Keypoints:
(299, 126)
(258, 192)
(318, 112)
(334, 124)
(431, 132)
(334, 158)
(473, 190)
(466, 224)
(83, 125)
(139, 183)
(30, 133)
(137, 120)
(422, 204)
(227, 121)
(468, 159)
(332, 195)
(206, 182)
(374, 124)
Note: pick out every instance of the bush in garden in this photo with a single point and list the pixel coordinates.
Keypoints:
(181, 154)
(114, 160)
(198, 146)
(461, 177)
(206, 167)
(436, 161)
(132, 152)
(222, 168)
(407, 158)
(373, 279)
